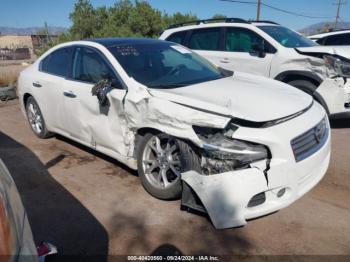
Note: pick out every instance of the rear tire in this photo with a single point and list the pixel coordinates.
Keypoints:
(161, 160)
(36, 119)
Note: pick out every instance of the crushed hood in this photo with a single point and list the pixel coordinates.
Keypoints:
(242, 96)
(343, 51)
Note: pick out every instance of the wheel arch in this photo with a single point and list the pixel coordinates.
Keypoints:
(25, 98)
(288, 76)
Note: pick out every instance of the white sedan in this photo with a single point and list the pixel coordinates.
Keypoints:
(233, 145)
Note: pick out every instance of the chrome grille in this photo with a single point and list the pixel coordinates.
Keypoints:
(311, 141)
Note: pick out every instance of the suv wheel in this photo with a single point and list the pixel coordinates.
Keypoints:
(161, 160)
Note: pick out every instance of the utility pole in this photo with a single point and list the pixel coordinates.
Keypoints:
(258, 11)
(340, 3)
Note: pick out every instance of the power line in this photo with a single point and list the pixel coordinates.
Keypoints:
(337, 18)
(277, 9)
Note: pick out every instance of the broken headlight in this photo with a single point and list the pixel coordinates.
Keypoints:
(222, 153)
(339, 66)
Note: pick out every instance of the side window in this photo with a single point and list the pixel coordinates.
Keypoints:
(205, 39)
(243, 40)
(343, 39)
(178, 37)
(57, 62)
(90, 66)
(321, 41)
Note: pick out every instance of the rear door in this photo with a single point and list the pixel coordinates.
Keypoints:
(48, 85)
(239, 52)
(207, 42)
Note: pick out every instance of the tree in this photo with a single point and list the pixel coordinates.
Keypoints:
(83, 18)
(126, 18)
(219, 16)
(177, 18)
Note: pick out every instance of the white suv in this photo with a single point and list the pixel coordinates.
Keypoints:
(333, 38)
(228, 144)
(268, 49)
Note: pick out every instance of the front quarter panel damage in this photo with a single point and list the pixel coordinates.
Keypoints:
(145, 111)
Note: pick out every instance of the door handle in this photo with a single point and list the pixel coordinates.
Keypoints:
(225, 60)
(69, 94)
(36, 84)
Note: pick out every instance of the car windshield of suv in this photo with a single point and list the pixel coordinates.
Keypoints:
(286, 37)
(164, 64)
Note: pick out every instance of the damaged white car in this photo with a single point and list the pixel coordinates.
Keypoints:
(269, 49)
(230, 144)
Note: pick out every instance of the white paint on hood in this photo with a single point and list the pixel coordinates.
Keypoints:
(242, 96)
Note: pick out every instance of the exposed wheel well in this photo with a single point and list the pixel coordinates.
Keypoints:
(25, 98)
(144, 130)
(289, 78)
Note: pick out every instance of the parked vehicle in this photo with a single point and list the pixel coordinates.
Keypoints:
(16, 239)
(333, 38)
(233, 145)
(269, 49)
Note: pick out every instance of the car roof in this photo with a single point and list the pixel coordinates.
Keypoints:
(338, 32)
(218, 22)
(109, 42)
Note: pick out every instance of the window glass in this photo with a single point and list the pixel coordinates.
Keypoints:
(286, 37)
(178, 37)
(57, 62)
(341, 39)
(164, 65)
(90, 66)
(241, 40)
(205, 39)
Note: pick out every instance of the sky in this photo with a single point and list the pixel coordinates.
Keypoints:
(28, 13)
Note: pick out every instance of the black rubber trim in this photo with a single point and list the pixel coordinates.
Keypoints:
(307, 74)
(248, 123)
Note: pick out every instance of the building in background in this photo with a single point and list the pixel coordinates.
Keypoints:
(23, 47)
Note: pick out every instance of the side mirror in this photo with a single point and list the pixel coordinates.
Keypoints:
(258, 49)
(101, 89)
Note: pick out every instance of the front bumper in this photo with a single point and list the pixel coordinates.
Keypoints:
(336, 95)
(226, 196)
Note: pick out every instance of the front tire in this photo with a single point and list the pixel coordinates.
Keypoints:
(36, 119)
(161, 160)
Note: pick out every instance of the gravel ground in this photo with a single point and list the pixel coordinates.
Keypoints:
(89, 204)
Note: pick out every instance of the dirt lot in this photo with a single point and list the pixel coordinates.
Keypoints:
(87, 203)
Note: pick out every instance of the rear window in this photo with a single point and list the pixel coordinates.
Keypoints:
(205, 39)
(178, 37)
(57, 62)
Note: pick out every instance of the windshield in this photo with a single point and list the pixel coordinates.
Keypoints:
(286, 37)
(164, 64)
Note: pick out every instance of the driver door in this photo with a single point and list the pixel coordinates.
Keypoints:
(87, 121)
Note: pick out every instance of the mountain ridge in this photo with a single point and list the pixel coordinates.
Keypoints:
(53, 30)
